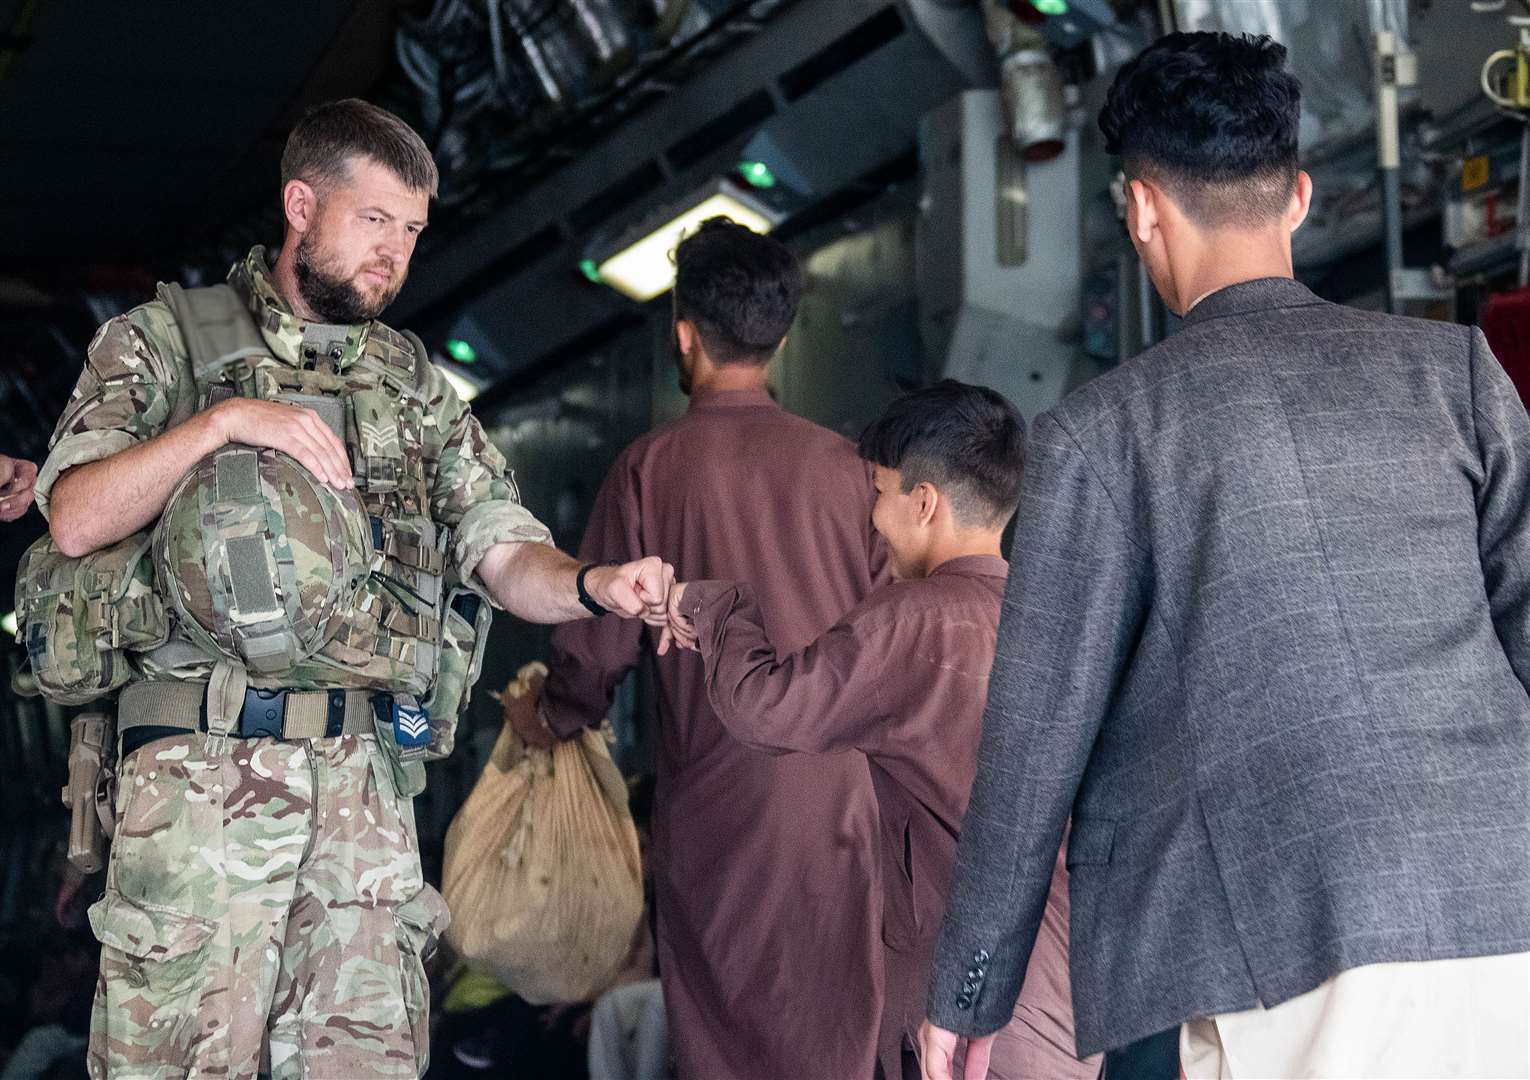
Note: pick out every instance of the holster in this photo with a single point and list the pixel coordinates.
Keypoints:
(90, 794)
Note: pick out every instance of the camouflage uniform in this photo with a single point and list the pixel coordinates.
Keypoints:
(265, 909)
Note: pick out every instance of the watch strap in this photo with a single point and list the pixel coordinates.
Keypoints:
(589, 602)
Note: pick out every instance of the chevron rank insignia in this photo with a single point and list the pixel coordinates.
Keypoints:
(411, 726)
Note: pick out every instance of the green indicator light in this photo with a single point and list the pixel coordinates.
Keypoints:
(757, 173)
(461, 351)
(590, 269)
(1051, 7)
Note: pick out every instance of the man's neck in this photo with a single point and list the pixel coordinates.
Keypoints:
(284, 274)
(720, 378)
(1230, 257)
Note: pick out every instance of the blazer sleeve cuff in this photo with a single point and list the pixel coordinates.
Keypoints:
(967, 996)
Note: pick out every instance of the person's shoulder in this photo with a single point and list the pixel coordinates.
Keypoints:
(1408, 337)
(813, 432)
(404, 361)
(783, 430)
(144, 340)
(943, 620)
(643, 447)
(937, 597)
(809, 439)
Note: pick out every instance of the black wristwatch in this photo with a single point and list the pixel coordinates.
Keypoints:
(589, 602)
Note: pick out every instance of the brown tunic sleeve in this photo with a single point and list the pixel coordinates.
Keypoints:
(822, 699)
(591, 657)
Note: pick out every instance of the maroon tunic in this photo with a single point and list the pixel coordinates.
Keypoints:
(766, 884)
(904, 679)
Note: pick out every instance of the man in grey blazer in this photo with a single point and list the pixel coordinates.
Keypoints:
(1266, 640)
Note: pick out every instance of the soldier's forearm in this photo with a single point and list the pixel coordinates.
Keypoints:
(534, 582)
(98, 503)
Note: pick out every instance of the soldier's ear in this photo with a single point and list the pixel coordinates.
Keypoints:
(300, 205)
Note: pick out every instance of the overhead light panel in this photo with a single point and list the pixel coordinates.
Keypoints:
(466, 388)
(643, 265)
(8, 623)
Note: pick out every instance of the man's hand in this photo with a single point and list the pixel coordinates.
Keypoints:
(100, 502)
(521, 704)
(680, 631)
(292, 429)
(18, 476)
(635, 590)
(937, 1054)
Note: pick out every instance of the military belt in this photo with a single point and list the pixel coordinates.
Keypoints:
(153, 710)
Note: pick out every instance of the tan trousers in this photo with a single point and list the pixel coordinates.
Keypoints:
(1438, 1019)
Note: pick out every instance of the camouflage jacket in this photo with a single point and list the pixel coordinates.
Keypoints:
(424, 468)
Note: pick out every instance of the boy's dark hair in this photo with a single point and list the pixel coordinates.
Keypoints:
(969, 441)
(738, 288)
(1212, 119)
(320, 148)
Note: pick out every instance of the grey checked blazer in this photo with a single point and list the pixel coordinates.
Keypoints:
(1266, 639)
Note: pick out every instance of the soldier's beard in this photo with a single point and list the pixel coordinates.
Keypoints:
(332, 296)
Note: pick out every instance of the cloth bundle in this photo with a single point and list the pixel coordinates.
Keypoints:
(542, 871)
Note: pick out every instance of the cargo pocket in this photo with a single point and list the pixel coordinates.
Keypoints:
(155, 973)
(420, 921)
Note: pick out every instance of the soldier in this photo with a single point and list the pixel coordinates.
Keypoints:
(265, 910)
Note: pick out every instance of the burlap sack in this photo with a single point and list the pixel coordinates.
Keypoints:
(542, 870)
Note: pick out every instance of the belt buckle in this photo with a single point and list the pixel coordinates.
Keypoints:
(264, 713)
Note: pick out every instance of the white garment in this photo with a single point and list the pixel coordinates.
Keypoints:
(629, 1035)
(1434, 1019)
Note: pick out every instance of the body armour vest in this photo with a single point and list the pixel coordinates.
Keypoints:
(390, 638)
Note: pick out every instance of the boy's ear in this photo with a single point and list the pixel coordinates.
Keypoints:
(929, 501)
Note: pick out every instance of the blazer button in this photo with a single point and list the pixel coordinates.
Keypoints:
(982, 956)
(964, 1002)
(974, 973)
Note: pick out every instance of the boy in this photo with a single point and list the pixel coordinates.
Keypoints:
(903, 678)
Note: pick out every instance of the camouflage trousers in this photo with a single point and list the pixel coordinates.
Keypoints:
(264, 913)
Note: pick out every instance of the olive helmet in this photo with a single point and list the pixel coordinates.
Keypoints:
(260, 560)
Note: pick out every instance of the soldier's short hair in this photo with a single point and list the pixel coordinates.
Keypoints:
(324, 141)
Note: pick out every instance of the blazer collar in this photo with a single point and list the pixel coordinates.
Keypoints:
(1261, 294)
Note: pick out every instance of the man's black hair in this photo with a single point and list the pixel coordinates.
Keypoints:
(969, 441)
(738, 288)
(1212, 118)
